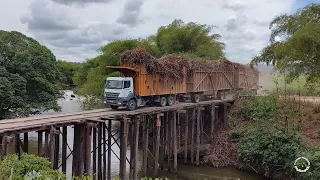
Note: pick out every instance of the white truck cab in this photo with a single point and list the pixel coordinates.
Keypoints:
(119, 92)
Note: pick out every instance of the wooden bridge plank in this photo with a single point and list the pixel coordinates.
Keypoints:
(42, 122)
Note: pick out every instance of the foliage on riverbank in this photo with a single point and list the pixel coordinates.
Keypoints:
(28, 76)
(67, 71)
(28, 167)
(271, 136)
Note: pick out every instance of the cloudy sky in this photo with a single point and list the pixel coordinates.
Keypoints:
(75, 29)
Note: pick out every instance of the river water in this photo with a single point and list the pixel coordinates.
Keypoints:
(185, 172)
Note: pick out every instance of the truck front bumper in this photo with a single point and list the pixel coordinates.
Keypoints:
(117, 102)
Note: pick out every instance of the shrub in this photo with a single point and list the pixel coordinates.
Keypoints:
(28, 166)
(267, 150)
(261, 108)
(314, 172)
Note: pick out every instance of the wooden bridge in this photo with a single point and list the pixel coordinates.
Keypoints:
(161, 132)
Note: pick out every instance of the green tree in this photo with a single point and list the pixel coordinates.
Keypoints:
(67, 71)
(298, 52)
(28, 76)
(179, 37)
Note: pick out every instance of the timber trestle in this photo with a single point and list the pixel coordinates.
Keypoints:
(162, 134)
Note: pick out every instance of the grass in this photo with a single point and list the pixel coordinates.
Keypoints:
(271, 82)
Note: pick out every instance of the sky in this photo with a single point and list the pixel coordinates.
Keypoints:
(74, 29)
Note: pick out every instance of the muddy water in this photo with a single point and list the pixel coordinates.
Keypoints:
(185, 172)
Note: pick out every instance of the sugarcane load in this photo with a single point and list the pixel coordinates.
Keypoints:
(146, 80)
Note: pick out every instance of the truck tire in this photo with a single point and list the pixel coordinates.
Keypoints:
(132, 105)
(195, 98)
(114, 107)
(163, 101)
(170, 100)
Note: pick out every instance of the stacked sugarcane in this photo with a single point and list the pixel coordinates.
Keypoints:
(175, 65)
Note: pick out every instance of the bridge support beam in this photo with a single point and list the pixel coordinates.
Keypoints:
(123, 147)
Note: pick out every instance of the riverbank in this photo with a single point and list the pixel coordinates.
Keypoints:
(265, 135)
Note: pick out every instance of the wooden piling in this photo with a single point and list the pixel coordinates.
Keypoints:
(64, 148)
(109, 148)
(17, 145)
(157, 145)
(135, 149)
(192, 134)
(201, 125)
(40, 143)
(57, 149)
(52, 146)
(46, 143)
(78, 150)
(131, 140)
(145, 145)
(25, 143)
(178, 131)
(186, 128)
(88, 150)
(198, 137)
(175, 151)
(100, 151)
(104, 151)
(94, 153)
(169, 143)
(6, 140)
(213, 110)
(162, 143)
(123, 148)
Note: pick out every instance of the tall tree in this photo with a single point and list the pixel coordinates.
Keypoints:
(28, 76)
(179, 37)
(298, 51)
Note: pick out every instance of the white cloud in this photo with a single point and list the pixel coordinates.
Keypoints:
(74, 33)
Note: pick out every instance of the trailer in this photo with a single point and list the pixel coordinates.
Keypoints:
(137, 87)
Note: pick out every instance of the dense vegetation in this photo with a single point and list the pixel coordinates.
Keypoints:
(67, 71)
(177, 37)
(298, 51)
(28, 167)
(28, 76)
(272, 139)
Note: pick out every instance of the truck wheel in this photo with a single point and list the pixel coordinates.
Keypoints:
(132, 105)
(195, 98)
(170, 100)
(114, 107)
(163, 101)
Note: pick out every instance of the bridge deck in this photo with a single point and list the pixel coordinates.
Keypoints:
(42, 122)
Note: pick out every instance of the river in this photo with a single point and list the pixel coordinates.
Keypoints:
(185, 172)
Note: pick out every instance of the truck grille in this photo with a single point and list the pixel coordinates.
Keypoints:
(110, 95)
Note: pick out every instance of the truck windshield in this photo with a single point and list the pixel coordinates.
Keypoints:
(114, 84)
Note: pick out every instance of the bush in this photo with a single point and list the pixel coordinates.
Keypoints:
(314, 172)
(267, 150)
(28, 166)
(262, 108)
